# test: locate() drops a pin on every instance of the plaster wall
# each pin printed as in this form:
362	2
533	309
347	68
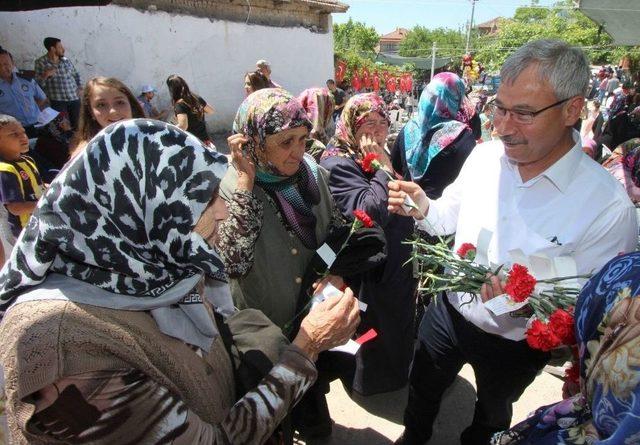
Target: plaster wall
142	47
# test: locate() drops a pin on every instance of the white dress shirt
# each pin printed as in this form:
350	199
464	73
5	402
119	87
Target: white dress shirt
575	208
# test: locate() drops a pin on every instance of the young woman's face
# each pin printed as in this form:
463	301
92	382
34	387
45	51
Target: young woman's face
109	105
247	85
285	150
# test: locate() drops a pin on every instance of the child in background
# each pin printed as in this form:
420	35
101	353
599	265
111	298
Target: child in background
20	183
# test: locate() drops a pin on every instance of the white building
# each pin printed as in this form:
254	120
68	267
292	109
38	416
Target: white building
210	43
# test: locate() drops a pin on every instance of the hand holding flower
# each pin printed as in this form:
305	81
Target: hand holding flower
399	191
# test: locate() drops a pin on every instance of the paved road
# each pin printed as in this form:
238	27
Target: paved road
377	420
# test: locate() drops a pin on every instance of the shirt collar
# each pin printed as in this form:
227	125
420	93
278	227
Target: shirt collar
561	172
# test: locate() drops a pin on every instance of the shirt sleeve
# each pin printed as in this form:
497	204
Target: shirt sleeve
442	215
237	235
126	406
39	94
614	231
9	188
38	67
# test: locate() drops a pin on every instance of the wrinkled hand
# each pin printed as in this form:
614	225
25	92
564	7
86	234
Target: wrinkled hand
245	166
489	291
329	324
368	145
398	190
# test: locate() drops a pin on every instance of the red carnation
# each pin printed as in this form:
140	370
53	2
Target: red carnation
572	373
364	219
467	251
562	323
540	336
371	163
520	283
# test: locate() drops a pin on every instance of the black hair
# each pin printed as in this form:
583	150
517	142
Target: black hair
50	42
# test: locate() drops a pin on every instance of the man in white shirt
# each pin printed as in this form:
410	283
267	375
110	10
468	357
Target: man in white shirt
531	193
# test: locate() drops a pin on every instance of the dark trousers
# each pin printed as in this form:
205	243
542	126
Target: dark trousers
71	107
503	369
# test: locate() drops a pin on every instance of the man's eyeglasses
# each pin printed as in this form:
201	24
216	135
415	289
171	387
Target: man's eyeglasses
521	116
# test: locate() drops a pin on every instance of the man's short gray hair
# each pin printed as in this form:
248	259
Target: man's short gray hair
564	67
5	119
262	63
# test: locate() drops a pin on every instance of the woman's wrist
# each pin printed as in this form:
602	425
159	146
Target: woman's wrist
306	345
245	182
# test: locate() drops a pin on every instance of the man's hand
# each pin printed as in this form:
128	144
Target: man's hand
51	71
492	290
399	190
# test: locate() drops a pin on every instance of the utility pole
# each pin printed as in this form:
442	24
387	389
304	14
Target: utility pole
433	59
473	7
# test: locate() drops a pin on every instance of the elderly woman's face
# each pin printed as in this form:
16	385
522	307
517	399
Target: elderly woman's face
284	151
374	126
209	222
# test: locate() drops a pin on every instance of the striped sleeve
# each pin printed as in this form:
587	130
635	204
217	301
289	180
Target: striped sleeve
125	406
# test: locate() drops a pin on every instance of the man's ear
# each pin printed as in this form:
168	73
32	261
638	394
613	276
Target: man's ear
573	110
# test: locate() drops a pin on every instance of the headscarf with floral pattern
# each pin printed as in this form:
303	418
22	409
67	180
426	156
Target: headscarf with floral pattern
353	116
267	112
444	112
319	104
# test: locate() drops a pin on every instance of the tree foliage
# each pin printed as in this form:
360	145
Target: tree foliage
355	36
559	22
419	40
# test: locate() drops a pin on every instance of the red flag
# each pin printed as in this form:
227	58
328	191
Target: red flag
385	76
409	83
376	82
341	70
366	77
391	84
355	80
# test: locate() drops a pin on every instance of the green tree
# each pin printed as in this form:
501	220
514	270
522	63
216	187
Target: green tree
559	22
419	40
355	36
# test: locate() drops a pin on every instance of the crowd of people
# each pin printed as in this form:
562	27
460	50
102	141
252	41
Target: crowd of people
156	290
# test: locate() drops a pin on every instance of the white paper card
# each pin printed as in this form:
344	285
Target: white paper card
327	254
503	304
409	204
329	291
46	116
350	347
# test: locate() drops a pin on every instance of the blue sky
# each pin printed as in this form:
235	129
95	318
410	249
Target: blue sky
387	15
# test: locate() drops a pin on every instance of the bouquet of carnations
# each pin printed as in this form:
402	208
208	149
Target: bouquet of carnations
548	302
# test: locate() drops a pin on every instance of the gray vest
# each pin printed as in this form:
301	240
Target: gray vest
280	260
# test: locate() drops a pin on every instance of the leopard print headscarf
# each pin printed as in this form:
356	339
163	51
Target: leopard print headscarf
121	215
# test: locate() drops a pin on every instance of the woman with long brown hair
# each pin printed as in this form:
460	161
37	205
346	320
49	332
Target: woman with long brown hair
105	100
189	108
